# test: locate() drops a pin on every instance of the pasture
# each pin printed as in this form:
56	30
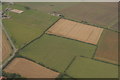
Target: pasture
56	52
6	47
88	68
29	69
108	47
77	31
28	25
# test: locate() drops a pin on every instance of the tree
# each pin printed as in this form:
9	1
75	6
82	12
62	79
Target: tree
12	76
27	8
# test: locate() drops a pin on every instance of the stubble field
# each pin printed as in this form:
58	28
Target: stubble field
77	31
29	69
6	47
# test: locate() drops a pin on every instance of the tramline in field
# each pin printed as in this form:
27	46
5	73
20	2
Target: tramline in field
77	31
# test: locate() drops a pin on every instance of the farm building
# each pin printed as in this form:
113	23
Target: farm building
16	11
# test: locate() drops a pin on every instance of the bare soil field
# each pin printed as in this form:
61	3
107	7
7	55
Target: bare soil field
6	47
77	31
108	47
100	13
29	69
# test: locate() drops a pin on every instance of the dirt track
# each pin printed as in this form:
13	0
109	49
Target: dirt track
29	69
6	48
74	30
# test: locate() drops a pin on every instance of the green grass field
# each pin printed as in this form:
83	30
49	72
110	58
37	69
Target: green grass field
56	52
28	25
65	77
88	68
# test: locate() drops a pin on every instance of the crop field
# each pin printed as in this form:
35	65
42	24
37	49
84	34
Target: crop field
29	69
77	31
108	47
88	68
28	25
6	47
56	52
61	40
93	12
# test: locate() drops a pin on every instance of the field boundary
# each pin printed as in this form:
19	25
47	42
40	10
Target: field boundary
93	60
87	23
37	37
17	50
72	60
14	50
70	64
36	62
94	53
106	62
70	39
41	64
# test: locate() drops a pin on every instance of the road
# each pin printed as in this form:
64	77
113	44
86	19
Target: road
13	46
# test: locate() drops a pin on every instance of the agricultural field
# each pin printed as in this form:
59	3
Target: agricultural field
6	47
88	68
64	77
77	31
28	25
61	40
93	12
56	52
48	7
108	47
29	69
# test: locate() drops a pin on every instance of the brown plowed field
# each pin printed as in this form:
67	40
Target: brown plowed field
94	13
6	48
77	31
29	69
108	47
